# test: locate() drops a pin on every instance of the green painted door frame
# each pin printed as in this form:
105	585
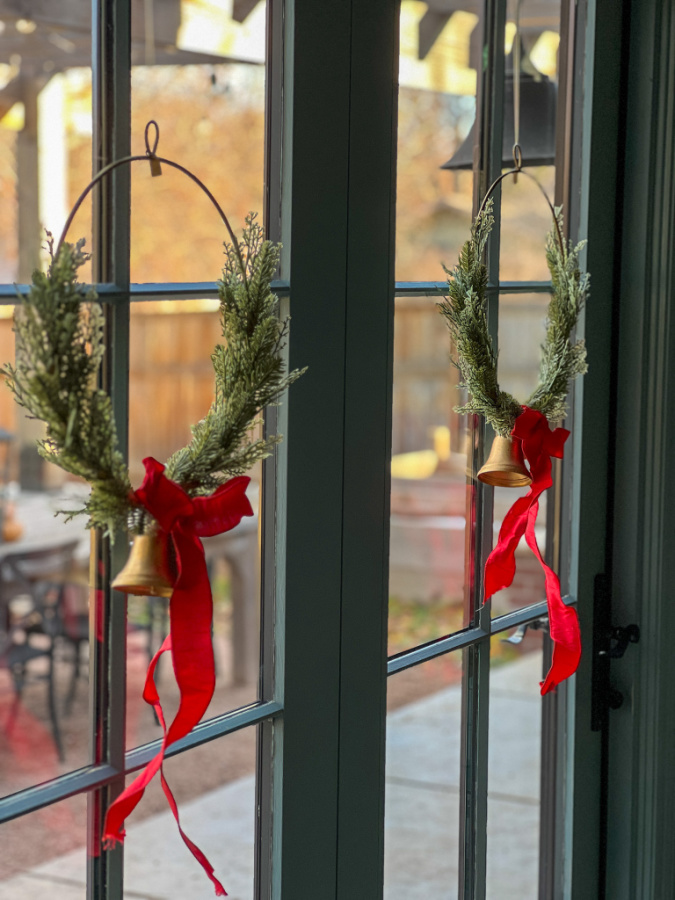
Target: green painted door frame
622	794
337	224
594	214
641	787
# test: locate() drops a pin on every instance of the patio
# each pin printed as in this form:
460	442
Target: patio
423	763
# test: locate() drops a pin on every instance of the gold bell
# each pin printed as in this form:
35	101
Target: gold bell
505	466
147	571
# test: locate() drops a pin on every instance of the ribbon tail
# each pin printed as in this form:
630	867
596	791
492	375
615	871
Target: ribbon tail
128	800
563	620
500	567
191	619
192	847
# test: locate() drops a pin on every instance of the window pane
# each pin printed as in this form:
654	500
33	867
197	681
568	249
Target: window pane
199	72
44	852
422	781
171	388
45	128
428	487
440	52
214	786
514	769
525	215
526	220
522	328
44	604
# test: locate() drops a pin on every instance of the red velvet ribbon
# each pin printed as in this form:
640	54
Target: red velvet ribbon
186	519
539	445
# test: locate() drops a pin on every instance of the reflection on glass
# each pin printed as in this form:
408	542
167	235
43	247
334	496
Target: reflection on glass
45	128
171	387
437	78
44	853
522	328
214	786
44	605
422	781
428	486
199	72
513	768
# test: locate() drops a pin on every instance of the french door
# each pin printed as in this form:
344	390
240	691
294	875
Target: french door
372	527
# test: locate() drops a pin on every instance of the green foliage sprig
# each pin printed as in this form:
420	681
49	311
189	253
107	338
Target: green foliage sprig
59	348
249	369
465	313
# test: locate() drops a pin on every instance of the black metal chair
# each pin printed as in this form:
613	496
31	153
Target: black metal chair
35	617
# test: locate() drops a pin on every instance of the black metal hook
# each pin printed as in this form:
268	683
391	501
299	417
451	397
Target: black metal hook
155	168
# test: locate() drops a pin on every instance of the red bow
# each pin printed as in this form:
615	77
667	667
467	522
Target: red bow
185	519
539	445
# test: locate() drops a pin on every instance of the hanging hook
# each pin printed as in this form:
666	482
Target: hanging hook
155	165
518	169
155	160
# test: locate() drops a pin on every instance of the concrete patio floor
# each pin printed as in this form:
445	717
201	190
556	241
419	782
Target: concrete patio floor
422	802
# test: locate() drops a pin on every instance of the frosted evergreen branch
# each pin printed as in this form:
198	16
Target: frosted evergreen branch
249	369
59	348
562	359
465	312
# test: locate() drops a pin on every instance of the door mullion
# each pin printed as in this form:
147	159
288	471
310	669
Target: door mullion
473	807
111	79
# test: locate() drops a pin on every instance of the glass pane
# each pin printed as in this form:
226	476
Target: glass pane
525	215
526	220
422	781
44	604
522	328
214	786
514	768
45	128
199	72
171	388
440	53
44	852
428	486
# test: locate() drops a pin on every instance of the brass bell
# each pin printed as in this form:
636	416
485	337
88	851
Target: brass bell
147	571
505	466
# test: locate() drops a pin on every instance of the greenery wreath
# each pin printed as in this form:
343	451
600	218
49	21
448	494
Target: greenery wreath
464	310
59	349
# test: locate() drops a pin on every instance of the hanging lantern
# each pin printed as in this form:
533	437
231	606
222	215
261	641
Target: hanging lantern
147	572
538	98
505	466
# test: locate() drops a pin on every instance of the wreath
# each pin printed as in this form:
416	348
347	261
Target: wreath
465	313
200	491
523	432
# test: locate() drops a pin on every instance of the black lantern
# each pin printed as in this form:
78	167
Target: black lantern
538	96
